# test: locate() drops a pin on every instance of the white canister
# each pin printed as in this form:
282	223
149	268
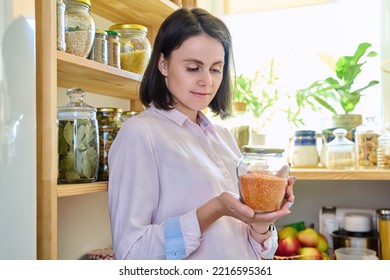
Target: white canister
305	153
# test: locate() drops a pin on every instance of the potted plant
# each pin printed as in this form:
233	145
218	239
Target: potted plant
337	93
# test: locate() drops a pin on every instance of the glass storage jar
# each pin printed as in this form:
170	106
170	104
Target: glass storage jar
305	153
99	48
109	122
61	25
384	233
366	144
128	114
262	177
79	27
135	47
340	153
384	148
78	140
113	48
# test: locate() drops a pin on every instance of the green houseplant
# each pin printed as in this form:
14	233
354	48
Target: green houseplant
337	93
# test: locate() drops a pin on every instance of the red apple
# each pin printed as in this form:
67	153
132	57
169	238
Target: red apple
288	246
310	253
308	237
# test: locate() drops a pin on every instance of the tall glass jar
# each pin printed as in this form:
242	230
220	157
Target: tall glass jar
384	233
113	48
128	114
61	25
340	153
99	48
78	140
136	56
366	144
384	148
262	176
109	121
79	27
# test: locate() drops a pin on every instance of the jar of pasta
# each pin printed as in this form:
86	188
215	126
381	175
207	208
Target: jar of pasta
262	175
366	144
135	47
79	27
78	142
109	121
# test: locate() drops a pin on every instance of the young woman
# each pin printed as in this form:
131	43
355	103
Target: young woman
173	186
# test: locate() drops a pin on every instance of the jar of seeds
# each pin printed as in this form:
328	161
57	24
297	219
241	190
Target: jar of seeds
113	48
79	27
109	121
78	140
99	48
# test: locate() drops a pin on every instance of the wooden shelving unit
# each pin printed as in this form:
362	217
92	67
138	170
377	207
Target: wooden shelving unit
59	69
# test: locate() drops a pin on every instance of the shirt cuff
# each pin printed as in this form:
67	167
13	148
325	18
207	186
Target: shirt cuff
173	237
268	248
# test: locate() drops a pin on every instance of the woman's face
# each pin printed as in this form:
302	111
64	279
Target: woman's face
194	73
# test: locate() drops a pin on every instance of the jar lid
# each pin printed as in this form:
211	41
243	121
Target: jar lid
130	113
112	32
129	26
88	2
76	108
108	110
340	143
384	212
261	149
100	31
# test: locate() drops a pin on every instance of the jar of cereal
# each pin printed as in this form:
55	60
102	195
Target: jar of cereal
366	144
135	47
262	177
79	27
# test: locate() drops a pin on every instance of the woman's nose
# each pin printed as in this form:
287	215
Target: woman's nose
206	79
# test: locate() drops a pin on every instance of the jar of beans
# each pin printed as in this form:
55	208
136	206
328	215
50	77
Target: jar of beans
79	27
262	175
109	122
135	47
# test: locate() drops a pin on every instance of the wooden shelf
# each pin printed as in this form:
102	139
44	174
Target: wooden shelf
79	189
75	71
326	174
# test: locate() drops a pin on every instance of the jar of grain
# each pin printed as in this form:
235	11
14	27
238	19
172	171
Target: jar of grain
135	57
366	144
109	121
262	175
384	148
78	140
340	153
79	27
99	48
113	48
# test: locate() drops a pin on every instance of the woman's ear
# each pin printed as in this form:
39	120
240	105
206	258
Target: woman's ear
163	65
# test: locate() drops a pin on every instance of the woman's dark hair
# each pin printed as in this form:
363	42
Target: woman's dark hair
178	27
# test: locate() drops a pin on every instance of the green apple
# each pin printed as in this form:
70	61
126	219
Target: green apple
322	242
309	253
287	231
288	246
308	237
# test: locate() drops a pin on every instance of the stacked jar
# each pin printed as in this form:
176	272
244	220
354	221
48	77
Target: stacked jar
79	27
109	121
366	143
78	142
135	47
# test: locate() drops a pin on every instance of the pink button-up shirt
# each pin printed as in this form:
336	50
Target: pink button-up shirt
162	168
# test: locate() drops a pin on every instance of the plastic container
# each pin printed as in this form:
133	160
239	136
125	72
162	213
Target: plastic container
366	144
305	153
109	121
113	48
99	49
135	47
61	45
340	153
262	176
78	140
384	148
79	27
384	233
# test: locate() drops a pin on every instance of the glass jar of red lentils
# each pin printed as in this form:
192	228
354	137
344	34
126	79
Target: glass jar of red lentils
262	177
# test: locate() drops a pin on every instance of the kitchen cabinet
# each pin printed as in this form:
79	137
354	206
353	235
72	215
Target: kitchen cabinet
59	69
